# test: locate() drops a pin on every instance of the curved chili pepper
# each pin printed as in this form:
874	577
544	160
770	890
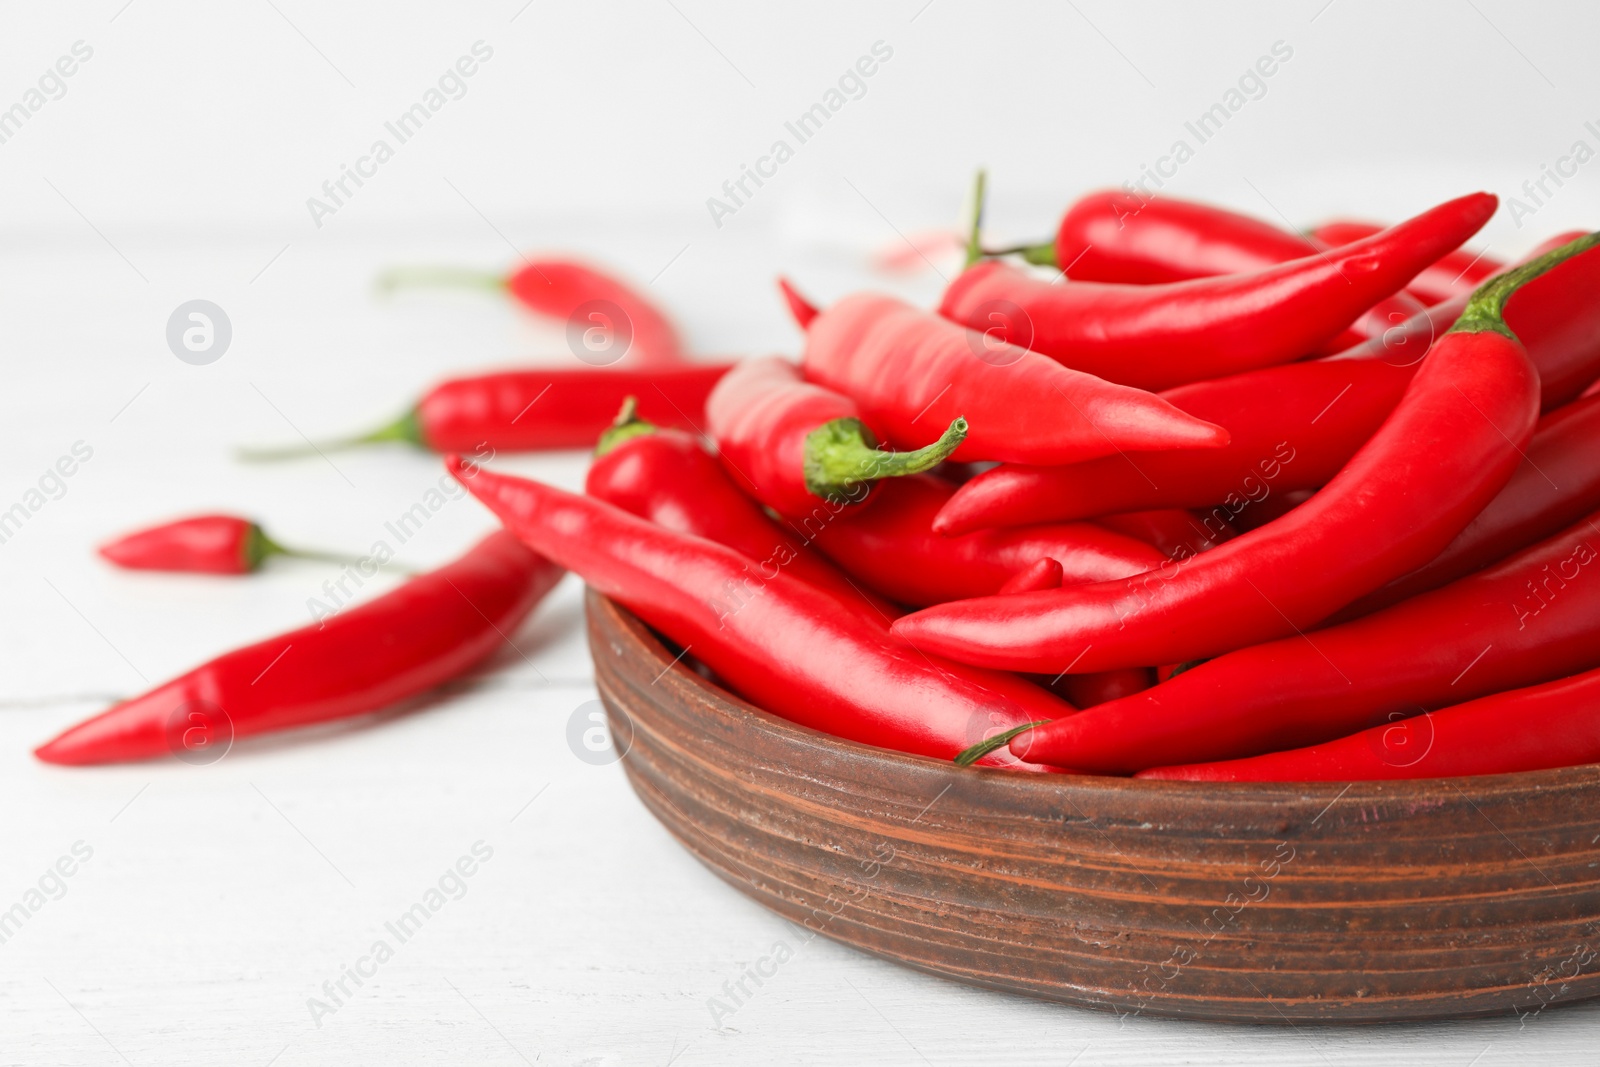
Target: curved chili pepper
1557	482
911	372
1116	236
1556	724
428	631
586	298
891	548
1451	444
1176	533
778	641
796	446
1291	427
204	544
534	410
1043	573
1453	275
668	477
1158	336
1531	618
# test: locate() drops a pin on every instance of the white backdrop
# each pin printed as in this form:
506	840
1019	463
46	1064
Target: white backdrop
175	162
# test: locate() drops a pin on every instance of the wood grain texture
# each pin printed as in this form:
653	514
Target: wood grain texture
1269	902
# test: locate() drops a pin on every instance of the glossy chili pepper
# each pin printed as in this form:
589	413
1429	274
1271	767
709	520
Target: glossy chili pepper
1531	618
1043	573
891	548
1451	444
1291	427
605	316
1557	483
204	544
1176	533
1452	275
776	640
668	477
1121	237
1556	724
803	449
368	657
1158	336
535	410
910	372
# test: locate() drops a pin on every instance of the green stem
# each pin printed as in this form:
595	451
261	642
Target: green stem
260	546
1040	255
455	277
975	237
968	756
406	428
843	454
1485	310
626	426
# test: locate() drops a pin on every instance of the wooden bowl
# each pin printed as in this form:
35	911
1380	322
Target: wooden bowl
1267	903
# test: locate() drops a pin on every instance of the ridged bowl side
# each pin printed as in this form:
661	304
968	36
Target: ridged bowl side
1271	903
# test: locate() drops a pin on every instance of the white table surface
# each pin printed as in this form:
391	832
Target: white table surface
219	899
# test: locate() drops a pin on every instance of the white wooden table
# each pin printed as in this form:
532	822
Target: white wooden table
209	905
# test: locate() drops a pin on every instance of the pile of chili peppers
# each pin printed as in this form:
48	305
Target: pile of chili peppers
1177	494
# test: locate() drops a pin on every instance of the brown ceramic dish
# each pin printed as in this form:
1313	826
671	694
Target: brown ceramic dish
1255	903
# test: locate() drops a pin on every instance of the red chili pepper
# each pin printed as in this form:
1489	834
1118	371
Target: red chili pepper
1531	618
407	641
535	410
1158	336
911	372
1556	724
666	476
796	446
1451	444
778	641
1176	533
205	544
1043	573
605	316
891	547
1454	274
1291	427
1117	236
1557	483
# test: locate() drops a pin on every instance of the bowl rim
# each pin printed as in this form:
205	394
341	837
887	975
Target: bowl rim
726	702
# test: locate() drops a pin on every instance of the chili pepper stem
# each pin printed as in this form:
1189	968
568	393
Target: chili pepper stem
406	428
453	277
627	426
843	453
260	546
1486	307
968	756
1040	255
975	236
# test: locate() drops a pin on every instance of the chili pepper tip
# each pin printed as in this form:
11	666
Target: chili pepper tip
801	309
